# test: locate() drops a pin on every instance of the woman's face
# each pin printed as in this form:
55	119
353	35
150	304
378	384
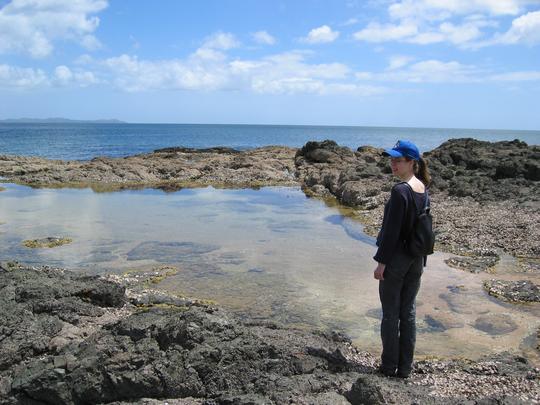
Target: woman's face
401	167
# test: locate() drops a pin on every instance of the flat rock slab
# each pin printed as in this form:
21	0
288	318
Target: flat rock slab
49	242
473	264
495	324
513	291
169	168
441	321
169	252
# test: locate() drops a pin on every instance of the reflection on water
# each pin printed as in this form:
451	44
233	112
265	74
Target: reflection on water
268	254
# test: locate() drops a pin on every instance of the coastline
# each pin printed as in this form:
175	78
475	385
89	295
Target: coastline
475	185
480	230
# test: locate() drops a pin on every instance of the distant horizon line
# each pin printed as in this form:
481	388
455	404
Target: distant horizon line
59	120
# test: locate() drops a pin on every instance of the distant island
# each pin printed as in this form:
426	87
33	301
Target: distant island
60	121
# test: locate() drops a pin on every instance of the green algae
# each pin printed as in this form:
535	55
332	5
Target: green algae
46	242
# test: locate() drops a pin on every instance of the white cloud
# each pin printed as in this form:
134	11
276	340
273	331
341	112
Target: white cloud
13	76
459	34
434	71
464	23
290	73
525	29
32	27
398	61
448	32
429	71
90	42
364	75
286	73
321	35
208	54
376	32
222	40
64	76
263	37
130	74
442	9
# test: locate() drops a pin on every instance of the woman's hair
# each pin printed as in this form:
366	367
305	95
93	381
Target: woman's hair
421	171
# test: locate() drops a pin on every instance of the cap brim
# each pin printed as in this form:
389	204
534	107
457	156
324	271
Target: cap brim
392	153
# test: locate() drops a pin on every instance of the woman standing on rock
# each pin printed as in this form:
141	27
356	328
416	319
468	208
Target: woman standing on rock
398	272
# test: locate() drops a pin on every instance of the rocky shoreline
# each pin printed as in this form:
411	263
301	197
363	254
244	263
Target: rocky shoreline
71	338
485	196
471	202
68	338
168	169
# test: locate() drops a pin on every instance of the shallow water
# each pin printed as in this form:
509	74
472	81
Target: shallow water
270	254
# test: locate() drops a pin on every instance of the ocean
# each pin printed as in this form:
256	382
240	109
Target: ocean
83	141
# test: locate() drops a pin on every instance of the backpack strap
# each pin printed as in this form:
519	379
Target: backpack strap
426	198
425	209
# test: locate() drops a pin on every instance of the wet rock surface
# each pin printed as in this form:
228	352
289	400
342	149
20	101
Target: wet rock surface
495	324
167	252
48	242
169	169
474	264
513	291
441	321
111	351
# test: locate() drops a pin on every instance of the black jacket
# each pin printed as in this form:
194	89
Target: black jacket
398	221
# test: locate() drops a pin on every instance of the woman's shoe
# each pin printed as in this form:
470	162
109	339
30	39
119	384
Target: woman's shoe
403	374
387	372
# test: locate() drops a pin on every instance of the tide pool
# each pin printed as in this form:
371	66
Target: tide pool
270	254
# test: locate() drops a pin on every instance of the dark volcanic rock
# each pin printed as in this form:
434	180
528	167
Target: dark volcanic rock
487	171
186	354
161	352
37	304
475	186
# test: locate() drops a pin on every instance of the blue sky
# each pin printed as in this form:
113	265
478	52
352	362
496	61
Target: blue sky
419	63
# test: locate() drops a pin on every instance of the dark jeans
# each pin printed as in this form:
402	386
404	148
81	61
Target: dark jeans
398	327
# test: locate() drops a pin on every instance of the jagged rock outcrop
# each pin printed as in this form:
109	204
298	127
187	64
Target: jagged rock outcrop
485	195
68	338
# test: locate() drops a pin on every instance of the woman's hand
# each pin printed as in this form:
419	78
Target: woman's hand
378	274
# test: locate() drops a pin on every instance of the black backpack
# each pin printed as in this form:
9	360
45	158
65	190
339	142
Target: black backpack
421	239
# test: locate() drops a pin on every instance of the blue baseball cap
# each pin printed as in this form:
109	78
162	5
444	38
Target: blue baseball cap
403	149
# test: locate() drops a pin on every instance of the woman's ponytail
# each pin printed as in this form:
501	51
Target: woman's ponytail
422	172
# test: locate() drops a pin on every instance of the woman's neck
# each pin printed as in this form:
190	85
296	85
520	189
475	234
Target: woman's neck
407	177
